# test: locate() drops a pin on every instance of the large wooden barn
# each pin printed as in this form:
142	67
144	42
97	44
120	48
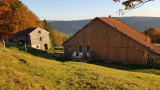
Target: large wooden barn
110	39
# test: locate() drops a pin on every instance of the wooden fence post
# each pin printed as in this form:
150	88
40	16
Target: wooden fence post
4	44
25	47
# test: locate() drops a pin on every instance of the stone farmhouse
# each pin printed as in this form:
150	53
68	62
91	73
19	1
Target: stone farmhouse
34	37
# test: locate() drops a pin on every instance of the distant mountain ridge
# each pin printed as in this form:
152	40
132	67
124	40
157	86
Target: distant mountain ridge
139	23
69	27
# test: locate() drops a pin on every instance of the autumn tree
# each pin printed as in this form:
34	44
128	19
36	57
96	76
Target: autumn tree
15	16
131	4
5	19
154	34
55	39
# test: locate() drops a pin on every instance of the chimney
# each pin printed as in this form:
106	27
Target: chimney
109	16
146	33
146	27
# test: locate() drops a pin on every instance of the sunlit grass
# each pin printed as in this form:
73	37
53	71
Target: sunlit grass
157	44
25	70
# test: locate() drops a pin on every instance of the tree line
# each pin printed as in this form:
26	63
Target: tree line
15	16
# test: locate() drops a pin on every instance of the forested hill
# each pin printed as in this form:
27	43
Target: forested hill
69	27
138	23
15	16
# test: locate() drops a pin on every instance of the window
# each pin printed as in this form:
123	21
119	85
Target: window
88	49
39	32
37	46
40	38
69	48
80	48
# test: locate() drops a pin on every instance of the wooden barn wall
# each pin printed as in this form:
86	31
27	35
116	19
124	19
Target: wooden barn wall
106	44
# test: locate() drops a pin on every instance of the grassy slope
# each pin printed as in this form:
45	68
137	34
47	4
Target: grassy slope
157	44
21	70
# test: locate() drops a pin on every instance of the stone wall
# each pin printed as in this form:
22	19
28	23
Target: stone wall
39	39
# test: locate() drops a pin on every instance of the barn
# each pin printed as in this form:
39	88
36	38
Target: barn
34	37
111	40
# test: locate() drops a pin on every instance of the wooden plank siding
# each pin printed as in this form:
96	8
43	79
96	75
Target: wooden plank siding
107	44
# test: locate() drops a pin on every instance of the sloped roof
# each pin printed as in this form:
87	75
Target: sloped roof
29	30
17	35
21	33
126	30
129	31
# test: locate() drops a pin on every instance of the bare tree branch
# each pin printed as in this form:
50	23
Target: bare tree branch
131	5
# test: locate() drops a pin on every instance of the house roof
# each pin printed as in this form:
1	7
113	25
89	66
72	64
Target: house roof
23	33
17	35
29	30
128	31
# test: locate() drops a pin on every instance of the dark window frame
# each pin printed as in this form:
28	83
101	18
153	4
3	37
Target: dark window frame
39	32
88	49
40	38
69	48
80	48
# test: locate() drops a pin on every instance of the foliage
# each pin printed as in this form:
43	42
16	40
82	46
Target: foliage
5	19
21	70
63	36
154	34
15	16
131	4
54	37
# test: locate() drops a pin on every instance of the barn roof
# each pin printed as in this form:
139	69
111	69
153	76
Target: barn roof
128	31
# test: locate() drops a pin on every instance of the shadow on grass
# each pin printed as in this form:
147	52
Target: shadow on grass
63	59
119	66
35	52
130	67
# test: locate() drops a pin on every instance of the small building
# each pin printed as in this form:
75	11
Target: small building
34	37
111	40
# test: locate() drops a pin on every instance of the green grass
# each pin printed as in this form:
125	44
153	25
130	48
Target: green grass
36	70
157	44
54	51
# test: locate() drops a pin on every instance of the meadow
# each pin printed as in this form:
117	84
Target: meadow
36	70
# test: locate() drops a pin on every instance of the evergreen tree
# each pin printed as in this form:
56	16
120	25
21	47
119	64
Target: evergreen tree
55	39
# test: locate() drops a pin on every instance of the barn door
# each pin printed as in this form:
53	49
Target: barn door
88	51
80	51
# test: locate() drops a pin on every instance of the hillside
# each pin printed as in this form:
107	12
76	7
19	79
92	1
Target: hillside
69	27
16	16
36	70
64	36
138	23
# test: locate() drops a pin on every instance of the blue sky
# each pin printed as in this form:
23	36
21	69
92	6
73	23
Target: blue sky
86	9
